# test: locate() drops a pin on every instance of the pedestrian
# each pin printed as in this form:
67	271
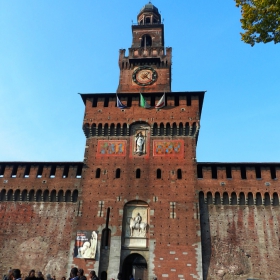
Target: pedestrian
31	275
74	273
16	274
81	274
49	277
40	276
93	275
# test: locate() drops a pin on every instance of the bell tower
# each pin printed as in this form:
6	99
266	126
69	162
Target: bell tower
147	68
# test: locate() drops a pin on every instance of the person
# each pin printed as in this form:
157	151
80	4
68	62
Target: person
93	275
40	276
131	277
9	275
31	275
16	274
139	142
81	274
74	273
63	278
49	277
137	220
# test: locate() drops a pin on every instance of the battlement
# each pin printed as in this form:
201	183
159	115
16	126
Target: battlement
238	171
41	170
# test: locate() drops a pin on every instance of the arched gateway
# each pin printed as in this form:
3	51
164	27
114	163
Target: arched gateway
136	265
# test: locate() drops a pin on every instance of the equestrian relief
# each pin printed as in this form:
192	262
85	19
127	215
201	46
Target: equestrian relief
137	227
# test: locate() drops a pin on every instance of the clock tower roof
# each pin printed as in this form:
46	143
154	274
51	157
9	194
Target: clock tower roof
150	9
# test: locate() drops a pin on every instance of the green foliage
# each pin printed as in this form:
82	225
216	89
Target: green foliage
260	20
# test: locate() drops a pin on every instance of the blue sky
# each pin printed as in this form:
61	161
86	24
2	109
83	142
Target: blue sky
52	50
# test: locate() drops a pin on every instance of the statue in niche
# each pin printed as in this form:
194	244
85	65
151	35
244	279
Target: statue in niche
137	224
140	142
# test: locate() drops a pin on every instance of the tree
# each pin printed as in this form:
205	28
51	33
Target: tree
260	20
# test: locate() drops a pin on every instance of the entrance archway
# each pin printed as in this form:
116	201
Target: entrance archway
136	265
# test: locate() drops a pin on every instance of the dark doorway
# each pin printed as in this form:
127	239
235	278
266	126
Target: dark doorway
136	265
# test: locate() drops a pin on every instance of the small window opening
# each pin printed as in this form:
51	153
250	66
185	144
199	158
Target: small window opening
258	172
258	199
10	195
14	171
46	197
146	41
158	173
75	196
53	196
138	173
39	196
209	198
31	195
93	129
187	129
17	195
199	172
266	199
52	173
112	130
106	102
94	102
118	132
2	169
155	129
106	129
243	172
228	172
179	174
153	100
161	131
174	129
79	171
40	171
24	195
189	100
97	173
233	199
176	100
168	129
65	171
118	173
217	198
275	199
68	196
125	129
60	196
180	129
99	132
242	200
272	172
214	172
26	171
250	199
225	198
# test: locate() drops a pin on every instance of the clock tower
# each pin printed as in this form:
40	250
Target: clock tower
147	68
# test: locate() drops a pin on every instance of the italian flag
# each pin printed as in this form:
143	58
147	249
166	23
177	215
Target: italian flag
143	102
161	102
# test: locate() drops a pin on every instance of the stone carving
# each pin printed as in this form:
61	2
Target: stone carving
137	224
140	140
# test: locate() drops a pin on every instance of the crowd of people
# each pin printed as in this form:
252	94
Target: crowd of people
76	274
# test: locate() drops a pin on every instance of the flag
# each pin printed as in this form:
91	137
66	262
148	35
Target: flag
161	102
120	105
143	102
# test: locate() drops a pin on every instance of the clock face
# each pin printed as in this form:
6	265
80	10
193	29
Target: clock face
144	75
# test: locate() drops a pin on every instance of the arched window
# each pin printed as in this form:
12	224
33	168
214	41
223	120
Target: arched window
201	199
168	129
53	196
60	196
118	132
146	41
86	129
193	128
97	173
209	198
31	195
161	129
179	174
93	129
105	129
180	129
138	173
187	129
217	198
68	196
39	196
3	195
17	195
242	199
155	129
258	199
99	130
118	173
158	173
275	199
46	196
124	129
10	195
75	196
174	129
233	199
112	129
250	199
266	199
24	195
225	198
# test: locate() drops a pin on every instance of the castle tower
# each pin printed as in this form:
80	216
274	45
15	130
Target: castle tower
147	68
138	184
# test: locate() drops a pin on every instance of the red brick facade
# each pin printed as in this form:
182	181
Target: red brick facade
199	220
